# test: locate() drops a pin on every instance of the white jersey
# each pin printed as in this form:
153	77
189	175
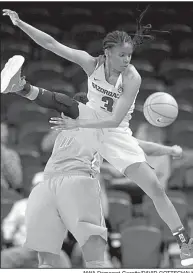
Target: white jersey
103	96
70	155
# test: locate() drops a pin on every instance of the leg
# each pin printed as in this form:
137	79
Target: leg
122	150
144	177
45	229
47	260
52	100
12	82
86	225
50	260
93	251
18	257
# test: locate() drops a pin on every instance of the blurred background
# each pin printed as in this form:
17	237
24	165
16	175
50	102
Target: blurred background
165	64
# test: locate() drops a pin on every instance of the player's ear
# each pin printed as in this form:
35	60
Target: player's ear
106	53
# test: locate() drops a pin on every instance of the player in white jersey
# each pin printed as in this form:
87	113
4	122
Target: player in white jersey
112	111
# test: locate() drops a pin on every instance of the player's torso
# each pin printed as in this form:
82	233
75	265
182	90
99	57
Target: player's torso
72	155
103	96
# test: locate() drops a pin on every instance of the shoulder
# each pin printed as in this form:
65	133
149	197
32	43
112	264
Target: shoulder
95	63
131	73
99	61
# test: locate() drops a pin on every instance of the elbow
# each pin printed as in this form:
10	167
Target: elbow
49	43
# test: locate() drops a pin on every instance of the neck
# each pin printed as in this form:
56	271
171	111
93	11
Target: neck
109	70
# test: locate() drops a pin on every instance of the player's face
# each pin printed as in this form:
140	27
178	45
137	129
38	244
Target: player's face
120	56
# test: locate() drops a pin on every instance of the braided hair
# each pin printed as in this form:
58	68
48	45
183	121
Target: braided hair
118	37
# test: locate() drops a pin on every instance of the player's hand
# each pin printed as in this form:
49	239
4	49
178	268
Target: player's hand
176	152
13	16
63	123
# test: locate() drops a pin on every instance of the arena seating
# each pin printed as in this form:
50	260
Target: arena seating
171	70
155	52
94	47
35	14
7	31
69	16
84	33
150	86
182	89
42	70
9	48
182	133
140	247
186	48
122	15
145	68
22	112
120	212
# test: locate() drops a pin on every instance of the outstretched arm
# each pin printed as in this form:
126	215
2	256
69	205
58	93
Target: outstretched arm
82	58
151	148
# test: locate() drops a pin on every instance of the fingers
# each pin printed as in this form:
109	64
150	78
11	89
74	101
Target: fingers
60	128
7	12
57	128
57	119
62	115
60	122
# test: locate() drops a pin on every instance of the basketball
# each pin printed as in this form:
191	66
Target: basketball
160	109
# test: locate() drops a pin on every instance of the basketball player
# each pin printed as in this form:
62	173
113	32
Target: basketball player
70	187
113	84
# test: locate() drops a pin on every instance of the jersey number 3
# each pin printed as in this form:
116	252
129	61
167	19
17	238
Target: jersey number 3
108	103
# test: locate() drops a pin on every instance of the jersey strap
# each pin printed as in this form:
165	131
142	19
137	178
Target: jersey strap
100	59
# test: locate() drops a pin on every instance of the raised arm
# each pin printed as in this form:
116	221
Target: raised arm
82	58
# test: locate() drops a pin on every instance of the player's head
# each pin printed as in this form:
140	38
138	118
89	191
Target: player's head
118	48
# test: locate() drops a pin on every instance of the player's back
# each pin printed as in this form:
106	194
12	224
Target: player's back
72	154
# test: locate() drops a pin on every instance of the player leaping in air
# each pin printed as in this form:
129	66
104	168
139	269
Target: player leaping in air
113	84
